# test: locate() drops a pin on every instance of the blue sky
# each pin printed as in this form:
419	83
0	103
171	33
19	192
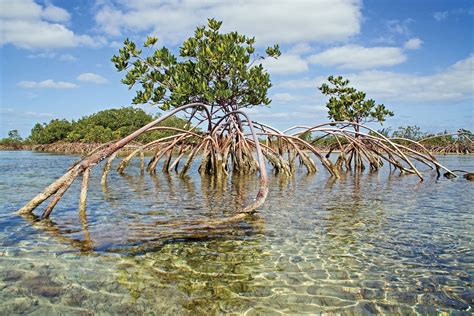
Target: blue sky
415	56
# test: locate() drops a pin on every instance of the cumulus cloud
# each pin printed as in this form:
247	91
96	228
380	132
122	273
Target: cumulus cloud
26	24
453	84
358	57
285	64
47	84
413	43
91	77
280	21
300	49
303	83
55	14
51	55
284	97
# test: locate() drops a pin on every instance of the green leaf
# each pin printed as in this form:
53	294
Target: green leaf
150	41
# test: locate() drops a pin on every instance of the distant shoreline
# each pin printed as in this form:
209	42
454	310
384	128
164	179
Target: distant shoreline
84	148
64	148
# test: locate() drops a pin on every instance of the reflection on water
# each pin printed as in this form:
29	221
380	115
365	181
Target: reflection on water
370	243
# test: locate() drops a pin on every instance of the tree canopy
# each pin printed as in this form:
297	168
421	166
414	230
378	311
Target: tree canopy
54	131
100	127
14	135
348	104
409	132
219	69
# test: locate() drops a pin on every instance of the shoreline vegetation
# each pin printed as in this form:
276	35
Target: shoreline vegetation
77	148
90	132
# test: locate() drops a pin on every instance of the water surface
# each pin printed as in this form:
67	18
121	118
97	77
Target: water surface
373	243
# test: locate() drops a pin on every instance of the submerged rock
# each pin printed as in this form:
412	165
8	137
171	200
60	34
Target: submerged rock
42	286
11	276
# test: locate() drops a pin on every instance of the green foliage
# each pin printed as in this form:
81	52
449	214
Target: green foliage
410	132
348	104
108	125
433	139
54	131
13	139
384	131
306	136
465	135
172	121
14	135
100	127
213	68
327	141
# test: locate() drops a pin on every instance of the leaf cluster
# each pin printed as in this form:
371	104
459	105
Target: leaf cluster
412	132
215	68
348	104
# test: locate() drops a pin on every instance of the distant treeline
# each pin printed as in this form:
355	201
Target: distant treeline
460	141
100	127
113	124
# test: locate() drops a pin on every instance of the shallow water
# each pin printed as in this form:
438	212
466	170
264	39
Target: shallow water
374	243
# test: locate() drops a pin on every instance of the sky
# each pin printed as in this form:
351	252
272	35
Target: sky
414	56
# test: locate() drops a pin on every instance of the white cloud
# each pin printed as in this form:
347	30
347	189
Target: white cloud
116	44
303	83
50	55
91	77
300	49
26	24
285	64
413	43
358	57
400	27
42	55
14	113
38	114
20	9
86	40
453	84
443	15
29	10
36	34
55	14
440	16
280	21
384	39
67	57
284	97
47	84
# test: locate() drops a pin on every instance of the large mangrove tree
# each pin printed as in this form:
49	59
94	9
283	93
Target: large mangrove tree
215	77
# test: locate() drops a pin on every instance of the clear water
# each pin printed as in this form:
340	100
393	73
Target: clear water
374	243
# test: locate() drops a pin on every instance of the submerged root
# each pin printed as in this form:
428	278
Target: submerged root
84	187
374	147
